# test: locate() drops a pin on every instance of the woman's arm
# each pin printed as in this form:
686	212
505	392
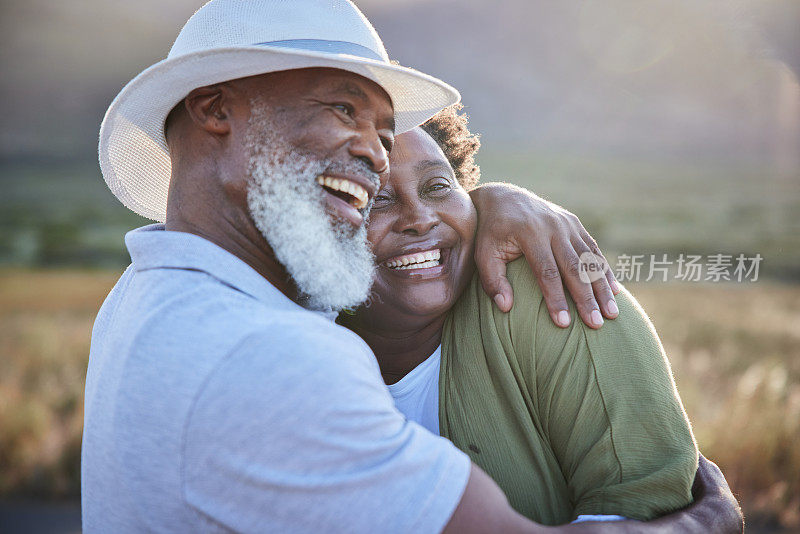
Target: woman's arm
575	421
513	222
618	427
610	409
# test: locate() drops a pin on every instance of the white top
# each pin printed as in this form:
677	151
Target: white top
214	403
416	395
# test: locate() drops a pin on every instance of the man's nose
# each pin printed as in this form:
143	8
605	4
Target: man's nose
367	146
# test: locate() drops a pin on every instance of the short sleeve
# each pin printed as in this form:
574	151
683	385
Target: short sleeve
295	432
609	408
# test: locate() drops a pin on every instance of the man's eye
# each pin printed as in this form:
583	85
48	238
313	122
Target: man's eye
347	109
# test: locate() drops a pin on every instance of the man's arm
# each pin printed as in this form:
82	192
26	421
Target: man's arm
513	222
714	509
484	508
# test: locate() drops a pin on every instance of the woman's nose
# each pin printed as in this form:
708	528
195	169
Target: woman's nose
416	219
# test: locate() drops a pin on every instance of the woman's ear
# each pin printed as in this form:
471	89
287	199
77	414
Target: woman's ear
208	108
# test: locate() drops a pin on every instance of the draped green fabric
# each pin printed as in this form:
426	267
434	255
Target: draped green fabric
567	421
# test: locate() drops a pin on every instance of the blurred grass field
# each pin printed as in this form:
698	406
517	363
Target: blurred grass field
735	348
735	352
60	212
634	205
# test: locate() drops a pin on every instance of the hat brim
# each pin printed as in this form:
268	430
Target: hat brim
132	149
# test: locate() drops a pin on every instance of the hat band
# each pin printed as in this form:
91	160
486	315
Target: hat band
322	45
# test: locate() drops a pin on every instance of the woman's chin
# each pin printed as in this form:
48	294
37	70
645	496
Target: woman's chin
418	298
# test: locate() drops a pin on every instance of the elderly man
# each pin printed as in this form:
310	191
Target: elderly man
220	395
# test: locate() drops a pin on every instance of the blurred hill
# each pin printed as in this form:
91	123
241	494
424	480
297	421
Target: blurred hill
686	79
700	78
666	125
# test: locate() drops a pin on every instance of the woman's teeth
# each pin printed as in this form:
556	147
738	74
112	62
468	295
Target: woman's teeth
423	265
418	260
360	197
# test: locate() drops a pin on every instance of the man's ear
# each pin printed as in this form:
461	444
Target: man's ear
209	108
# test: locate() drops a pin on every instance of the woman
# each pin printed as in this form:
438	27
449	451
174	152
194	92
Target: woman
567	421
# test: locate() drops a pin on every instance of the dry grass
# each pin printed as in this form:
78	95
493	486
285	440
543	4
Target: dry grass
735	350
45	326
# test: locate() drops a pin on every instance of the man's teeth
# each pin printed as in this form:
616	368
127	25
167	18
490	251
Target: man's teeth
418	260
359	194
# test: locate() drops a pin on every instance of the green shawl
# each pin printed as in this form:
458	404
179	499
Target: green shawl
567	421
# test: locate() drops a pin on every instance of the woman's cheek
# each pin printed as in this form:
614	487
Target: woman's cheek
464	218
375	226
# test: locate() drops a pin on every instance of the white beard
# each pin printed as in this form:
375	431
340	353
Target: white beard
330	262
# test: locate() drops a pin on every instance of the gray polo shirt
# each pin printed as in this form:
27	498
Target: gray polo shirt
215	403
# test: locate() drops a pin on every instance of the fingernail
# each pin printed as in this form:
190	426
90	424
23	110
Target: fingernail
597	319
500	301
614	287
563	318
612	307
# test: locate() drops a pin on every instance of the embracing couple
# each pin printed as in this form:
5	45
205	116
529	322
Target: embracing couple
305	344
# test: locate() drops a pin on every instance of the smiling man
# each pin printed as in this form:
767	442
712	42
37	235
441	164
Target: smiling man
220	395
302	152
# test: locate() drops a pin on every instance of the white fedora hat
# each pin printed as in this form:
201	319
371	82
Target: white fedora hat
230	39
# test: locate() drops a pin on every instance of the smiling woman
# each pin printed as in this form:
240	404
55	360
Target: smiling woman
569	422
421	227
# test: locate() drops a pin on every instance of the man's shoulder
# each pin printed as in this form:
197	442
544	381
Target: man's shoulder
175	343
217	310
300	333
158	314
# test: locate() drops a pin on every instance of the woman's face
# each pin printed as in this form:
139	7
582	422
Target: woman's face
421	227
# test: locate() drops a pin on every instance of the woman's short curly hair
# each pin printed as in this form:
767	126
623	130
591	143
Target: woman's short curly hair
449	129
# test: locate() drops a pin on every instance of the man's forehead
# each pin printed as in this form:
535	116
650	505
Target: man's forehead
326	84
348	87
364	90
344	79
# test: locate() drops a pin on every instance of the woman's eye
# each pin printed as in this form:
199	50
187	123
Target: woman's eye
381	199
388	144
439	186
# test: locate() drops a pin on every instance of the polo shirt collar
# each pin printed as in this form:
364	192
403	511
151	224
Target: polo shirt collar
153	247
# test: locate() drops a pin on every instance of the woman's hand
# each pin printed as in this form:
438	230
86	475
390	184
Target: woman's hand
512	221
